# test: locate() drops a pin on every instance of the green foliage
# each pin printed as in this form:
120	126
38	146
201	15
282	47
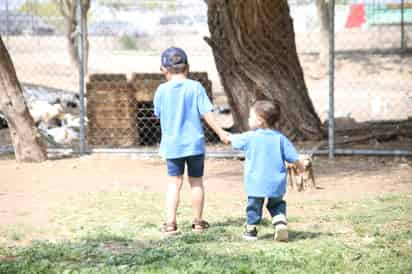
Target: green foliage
44	9
49	11
142	4
128	42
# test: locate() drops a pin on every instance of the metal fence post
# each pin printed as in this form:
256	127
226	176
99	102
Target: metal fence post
403	42
331	119
7	23
80	27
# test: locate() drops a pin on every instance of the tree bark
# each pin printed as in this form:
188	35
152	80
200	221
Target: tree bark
68	9
380	131
28	146
322	7
255	53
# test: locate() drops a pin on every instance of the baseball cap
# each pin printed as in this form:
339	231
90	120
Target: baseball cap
174	57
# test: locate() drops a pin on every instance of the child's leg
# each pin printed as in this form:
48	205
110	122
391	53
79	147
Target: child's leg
175	169
195	170
276	206
277	209
254	210
198	197
173	197
253	216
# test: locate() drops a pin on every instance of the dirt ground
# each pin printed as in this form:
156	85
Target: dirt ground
30	193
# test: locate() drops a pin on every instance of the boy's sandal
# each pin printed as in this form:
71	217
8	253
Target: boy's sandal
170	229
199	226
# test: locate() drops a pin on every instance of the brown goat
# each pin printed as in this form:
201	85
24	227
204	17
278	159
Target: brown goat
301	180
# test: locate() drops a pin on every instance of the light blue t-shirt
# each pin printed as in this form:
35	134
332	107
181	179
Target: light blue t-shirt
180	105
266	151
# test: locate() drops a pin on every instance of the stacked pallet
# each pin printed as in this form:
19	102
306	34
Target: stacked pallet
145	84
120	112
111	110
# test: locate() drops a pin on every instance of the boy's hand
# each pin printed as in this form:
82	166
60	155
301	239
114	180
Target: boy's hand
225	137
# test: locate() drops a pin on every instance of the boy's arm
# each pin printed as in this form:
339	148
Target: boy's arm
210	120
291	155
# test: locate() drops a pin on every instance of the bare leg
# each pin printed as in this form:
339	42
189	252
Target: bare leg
198	196
173	197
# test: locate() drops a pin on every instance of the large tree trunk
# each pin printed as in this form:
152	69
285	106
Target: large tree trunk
255	53
322	7
28	146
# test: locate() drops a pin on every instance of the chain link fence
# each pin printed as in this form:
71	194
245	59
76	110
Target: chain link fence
125	39
35	34
371	72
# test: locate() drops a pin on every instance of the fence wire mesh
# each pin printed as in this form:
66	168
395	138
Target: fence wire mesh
35	34
372	71
372	63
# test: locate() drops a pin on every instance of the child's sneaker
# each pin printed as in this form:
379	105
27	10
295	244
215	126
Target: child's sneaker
250	233
170	229
281	228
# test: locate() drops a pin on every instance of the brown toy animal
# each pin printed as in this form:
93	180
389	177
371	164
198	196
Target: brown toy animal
305	179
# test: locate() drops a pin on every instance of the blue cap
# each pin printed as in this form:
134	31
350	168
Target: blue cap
174	57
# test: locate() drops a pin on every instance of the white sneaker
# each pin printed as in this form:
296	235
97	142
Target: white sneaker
281	228
281	233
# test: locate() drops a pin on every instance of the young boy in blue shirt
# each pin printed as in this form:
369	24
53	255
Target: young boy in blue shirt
266	151
181	103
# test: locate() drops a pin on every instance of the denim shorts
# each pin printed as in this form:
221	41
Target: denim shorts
195	166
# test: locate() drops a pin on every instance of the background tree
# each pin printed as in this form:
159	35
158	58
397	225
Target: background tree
28	146
68	9
253	44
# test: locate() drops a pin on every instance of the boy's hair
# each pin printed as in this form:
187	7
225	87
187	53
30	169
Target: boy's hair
268	111
178	69
174	59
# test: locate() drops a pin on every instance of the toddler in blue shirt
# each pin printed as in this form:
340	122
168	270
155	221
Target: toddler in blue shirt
181	103
266	151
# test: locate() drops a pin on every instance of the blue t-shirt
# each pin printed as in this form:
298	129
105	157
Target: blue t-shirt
180	105
266	151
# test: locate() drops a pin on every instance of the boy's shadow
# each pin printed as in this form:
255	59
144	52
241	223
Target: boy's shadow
294	235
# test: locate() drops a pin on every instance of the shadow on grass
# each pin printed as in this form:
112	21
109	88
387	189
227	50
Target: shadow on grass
231	222
224	229
295	236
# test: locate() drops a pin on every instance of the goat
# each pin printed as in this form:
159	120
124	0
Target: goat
301	180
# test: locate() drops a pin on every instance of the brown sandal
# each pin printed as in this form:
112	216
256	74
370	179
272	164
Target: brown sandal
200	226
170	229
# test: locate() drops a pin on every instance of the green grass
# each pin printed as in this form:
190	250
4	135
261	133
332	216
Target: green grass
118	232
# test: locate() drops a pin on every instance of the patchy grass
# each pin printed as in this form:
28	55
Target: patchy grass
118	232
